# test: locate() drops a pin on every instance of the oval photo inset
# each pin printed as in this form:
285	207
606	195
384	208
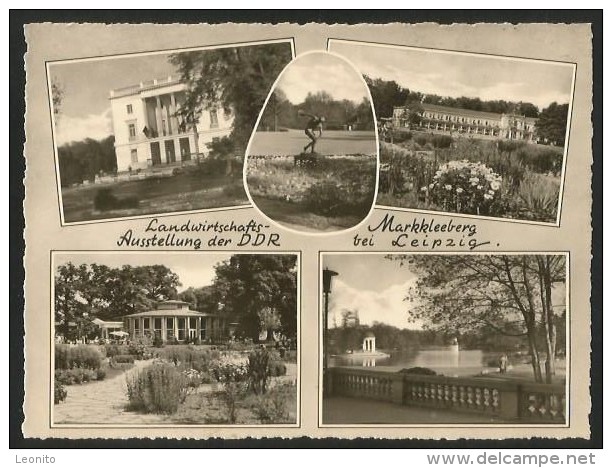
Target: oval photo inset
312	161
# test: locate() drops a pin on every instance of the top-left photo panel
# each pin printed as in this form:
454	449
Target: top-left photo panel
157	132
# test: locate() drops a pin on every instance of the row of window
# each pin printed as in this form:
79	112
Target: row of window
214	123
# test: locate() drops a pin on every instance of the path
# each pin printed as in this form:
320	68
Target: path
102	403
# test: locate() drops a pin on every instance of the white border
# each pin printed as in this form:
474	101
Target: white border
76	253
568	364
48	64
572	91
248	150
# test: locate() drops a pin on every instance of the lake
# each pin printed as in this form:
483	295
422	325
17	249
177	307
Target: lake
442	359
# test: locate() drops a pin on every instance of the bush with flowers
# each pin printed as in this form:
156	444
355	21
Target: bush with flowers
464	187
233	376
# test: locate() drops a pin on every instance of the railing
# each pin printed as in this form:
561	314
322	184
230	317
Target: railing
507	400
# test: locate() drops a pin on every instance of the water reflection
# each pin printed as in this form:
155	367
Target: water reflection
447	360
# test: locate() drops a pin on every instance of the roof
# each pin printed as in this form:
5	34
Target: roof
369	334
145	86
173	301
174	312
462	112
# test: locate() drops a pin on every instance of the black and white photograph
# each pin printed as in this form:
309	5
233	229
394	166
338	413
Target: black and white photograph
444	339
158	132
175	339
312	160
465	133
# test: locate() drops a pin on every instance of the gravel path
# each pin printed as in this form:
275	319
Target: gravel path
102	403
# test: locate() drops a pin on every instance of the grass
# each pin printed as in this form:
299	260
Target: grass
190	190
292	142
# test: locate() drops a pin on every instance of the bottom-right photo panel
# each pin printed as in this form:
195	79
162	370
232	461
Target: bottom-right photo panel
457	338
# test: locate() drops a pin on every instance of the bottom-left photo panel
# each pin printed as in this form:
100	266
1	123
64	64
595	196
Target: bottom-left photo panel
175	338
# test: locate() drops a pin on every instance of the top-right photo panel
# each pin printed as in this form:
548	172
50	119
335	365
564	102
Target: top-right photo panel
468	134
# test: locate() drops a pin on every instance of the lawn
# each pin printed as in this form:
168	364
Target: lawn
292	142
189	190
334	193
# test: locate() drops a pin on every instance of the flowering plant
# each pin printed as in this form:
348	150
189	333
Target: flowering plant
464	187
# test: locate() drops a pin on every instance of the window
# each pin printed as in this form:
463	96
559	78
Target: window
132	131
169	328
181	329
214	119
129	108
134	155
157	323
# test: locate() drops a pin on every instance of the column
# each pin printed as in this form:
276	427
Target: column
172	115
199	327
175	331
158	116
163	328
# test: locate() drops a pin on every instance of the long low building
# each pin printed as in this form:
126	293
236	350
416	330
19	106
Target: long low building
175	321
476	123
149	132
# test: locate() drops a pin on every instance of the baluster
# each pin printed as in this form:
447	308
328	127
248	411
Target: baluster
462	395
495	399
478	398
454	395
487	397
470	393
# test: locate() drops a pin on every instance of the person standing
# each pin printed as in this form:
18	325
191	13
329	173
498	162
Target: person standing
503	363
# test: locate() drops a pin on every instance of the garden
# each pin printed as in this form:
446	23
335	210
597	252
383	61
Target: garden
235	383
504	179
322	193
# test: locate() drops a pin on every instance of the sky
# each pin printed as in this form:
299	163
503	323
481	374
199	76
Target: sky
371	284
455	74
377	287
85	109
321	72
193	269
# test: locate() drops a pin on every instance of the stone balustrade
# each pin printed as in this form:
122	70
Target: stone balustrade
529	402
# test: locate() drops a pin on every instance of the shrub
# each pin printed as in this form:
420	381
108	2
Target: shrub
113	350
188	357
100	374
158	389
258	370
464	187
124	359
82	356
277	368
232	377
74	376
418	371
59	393
539	198
105	200
271	408
157	341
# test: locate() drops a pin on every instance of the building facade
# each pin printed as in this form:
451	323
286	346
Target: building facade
464	121
148	131
175	321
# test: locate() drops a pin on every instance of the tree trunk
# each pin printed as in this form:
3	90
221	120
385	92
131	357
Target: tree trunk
533	351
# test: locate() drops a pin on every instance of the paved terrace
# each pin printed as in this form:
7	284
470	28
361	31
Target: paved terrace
343	410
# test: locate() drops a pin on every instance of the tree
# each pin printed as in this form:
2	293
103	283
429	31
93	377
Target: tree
499	294
237	79
246	285
552	124
386	95
414	110
57	97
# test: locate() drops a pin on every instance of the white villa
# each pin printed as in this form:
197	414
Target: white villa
175	320
475	123
149	133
